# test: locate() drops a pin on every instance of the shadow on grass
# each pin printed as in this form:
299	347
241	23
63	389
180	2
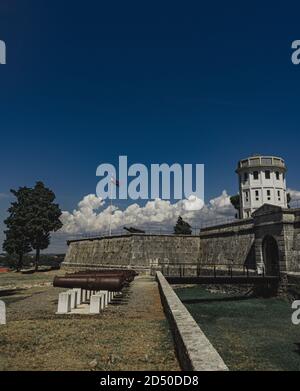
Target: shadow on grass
298	348
216	299
11	292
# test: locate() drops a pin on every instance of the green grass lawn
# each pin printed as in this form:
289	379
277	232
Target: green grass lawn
20	280
249	333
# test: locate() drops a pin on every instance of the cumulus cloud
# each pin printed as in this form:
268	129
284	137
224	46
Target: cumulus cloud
295	197
193	203
93	214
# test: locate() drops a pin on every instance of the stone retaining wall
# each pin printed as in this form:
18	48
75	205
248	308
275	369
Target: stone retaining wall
195	352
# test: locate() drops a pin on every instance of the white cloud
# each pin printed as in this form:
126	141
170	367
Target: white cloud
92	214
295	196
193	203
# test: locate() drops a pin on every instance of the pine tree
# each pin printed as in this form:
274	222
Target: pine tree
43	218
17	241
32	217
182	227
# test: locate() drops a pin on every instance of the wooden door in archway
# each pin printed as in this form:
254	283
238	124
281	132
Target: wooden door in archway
271	256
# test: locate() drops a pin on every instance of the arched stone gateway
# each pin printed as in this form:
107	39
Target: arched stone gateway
270	256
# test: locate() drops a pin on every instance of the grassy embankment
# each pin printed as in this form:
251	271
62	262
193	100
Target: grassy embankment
249	333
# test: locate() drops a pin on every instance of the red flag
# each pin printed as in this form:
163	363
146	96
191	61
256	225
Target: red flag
115	181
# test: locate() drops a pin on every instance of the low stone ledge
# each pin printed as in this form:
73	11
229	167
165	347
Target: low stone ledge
195	352
81	266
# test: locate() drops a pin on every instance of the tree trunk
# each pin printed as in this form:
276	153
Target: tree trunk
20	262
37	259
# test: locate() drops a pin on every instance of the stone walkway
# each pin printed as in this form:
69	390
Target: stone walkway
131	334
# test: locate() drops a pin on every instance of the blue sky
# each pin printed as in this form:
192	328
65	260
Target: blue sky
186	82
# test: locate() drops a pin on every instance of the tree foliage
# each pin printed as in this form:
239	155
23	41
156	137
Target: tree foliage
17	241
235	201
182	227
31	219
43	218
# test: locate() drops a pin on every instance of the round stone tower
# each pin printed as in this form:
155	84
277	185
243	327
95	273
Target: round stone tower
261	181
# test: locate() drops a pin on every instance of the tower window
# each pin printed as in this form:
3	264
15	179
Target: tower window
269	195
245	177
257	195
247	196
279	195
268	174
255	175
277	175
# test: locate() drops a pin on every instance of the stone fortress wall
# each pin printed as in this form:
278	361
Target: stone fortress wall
139	251
244	242
229	244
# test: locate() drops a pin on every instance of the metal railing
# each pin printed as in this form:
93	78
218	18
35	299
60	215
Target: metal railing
155	230
209	269
295	204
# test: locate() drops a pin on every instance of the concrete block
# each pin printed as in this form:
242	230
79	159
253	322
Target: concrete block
2	312
79	297
105	293
73	295
97	303
83	295
102	304
64	303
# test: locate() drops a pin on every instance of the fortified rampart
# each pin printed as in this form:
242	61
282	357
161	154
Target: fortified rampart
140	251
269	241
228	244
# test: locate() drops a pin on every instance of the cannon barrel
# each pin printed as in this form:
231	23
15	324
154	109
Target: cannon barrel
128	278
96	283
107	271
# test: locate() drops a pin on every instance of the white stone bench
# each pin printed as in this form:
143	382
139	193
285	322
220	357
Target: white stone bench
97	303
73	298
2	312
79	296
64	303
73	294
105	297
86	295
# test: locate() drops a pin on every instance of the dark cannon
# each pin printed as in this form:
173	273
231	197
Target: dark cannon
127	275
133	230
126	279
107	271
92	283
